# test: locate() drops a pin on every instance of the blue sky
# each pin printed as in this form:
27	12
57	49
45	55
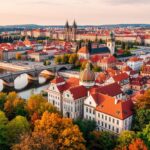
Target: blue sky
56	12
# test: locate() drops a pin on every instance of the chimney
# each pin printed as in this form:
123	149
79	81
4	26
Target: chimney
116	101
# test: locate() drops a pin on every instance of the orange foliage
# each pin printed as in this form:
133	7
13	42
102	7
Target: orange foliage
137	144
53	132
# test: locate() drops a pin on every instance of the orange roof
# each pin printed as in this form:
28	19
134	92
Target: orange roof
58	79
71	82
110	59
83	50
134	59
120	77
107	89
78	92
106	104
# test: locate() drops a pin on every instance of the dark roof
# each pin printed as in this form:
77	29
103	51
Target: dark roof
99	50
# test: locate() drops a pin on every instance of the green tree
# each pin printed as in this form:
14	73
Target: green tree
3	97
140	119
3	131
102	140
57	60
96	68
64	59
145	135
86	127
16	127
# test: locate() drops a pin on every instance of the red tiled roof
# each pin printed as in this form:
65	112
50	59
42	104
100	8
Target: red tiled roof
58	80
110	59
106	104
78	92
83	50
110	89
120	77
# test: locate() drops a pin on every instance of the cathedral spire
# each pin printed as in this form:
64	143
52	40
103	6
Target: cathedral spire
74	24
67	24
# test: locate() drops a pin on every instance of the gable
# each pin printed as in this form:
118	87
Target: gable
90	101
53	87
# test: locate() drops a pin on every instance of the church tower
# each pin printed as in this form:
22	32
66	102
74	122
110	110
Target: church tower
67	28
111	43
74	31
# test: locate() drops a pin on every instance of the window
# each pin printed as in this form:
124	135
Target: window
109	127
102	116
93	111
86	109
90	110
117	122
113	128
99	115
90	103
67	95
110	119
113	120
105	117
105	125
102	123
117	130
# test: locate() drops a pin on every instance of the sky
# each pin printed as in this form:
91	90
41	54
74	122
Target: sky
85	12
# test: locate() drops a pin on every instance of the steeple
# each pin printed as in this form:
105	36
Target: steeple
67	25
74	24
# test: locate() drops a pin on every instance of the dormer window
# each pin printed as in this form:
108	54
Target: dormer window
90	103
67	95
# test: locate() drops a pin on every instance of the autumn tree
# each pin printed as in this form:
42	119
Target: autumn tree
14	106
38	104
64	59
96	68
18	56
137	144
3	97
57	60
52	132
143	101
73	58
126	137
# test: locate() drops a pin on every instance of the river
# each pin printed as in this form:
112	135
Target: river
21	82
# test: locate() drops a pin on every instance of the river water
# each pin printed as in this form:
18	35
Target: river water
22	81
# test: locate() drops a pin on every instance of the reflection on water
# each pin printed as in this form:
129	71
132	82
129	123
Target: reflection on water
22	81
26	94
1	85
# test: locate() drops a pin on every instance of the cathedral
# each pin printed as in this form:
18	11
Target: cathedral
70	31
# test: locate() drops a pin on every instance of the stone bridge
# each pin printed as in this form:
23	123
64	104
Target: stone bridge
34	73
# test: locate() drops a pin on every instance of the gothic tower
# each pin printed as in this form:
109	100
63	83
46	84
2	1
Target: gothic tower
111	43
74	31
67	28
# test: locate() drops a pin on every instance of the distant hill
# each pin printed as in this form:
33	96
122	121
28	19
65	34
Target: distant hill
34	26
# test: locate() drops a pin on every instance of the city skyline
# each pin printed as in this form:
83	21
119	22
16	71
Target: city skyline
85	12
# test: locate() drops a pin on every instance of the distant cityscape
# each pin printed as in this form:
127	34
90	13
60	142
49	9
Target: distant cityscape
76	87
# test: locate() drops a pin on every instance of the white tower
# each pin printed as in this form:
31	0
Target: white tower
111	43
